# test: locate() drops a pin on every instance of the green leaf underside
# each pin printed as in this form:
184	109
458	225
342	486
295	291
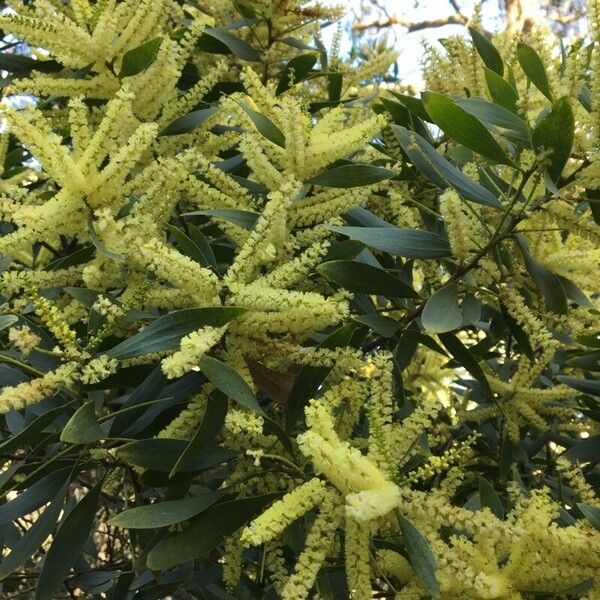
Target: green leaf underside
166	332
439	171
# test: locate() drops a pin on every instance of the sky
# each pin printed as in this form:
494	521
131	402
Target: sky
409	44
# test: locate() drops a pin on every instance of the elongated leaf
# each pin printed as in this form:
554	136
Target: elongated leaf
265	126
410	243
206	531
547	283
442	312
497	118
163	514
76	258
36	495
99	245
67	544
488	52
166	332
310	378
532	65
19	64
161	454
384	326
463	127
439	171
29	434
7	321
243	218
230	382
585	386
489	498
584	451
464	357
420	555
237	46
83	426
211	425
139	59
501	91
349	176
187	246
414	105
592	514
296	69
556	132
362	278
35	536
189	122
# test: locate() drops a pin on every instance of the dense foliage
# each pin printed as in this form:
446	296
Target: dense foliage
274	328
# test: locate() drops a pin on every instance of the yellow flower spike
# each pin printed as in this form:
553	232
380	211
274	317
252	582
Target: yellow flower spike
284	512
319	543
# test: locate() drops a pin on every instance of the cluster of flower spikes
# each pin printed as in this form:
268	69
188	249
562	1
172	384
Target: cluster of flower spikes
355	497
104	186
116	182
561	234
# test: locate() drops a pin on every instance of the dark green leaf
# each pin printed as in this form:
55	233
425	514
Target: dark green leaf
488	52
556	132
161	454
497	118
420	555
547	283
573	292
501	91
243	218
230	382
139	59
19	64
83	426
310	378
265	126
585	386
67	544
166	332
76	258
584	451
35	536
7	321
591	513
237	46
489	498
34	496
334	86
297	69
439	171
532	65
363	278
187	246
163	514
206	531
189	122
384	326
211	425
414	105
355	175
442	312
463	127
410	243
30	433
464	357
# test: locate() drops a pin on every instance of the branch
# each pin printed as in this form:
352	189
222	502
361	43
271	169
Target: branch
411	25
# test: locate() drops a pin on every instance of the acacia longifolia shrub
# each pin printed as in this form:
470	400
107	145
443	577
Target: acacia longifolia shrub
273	326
